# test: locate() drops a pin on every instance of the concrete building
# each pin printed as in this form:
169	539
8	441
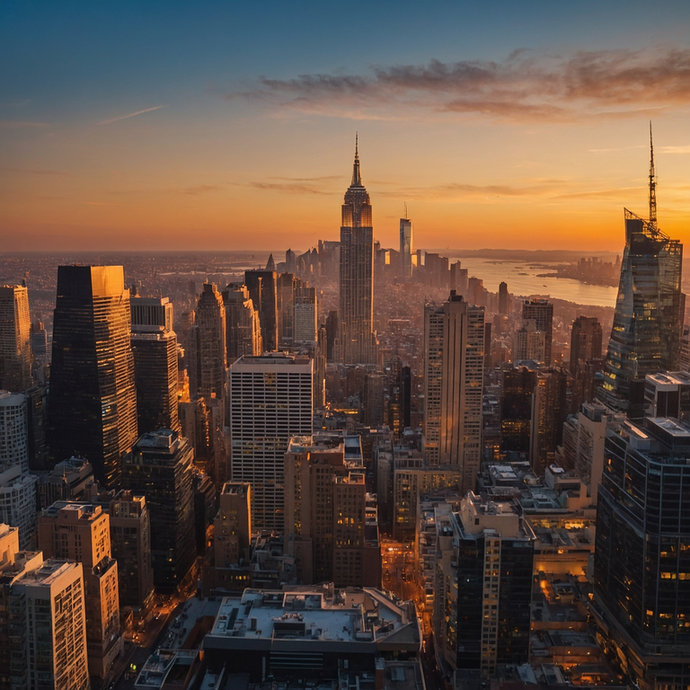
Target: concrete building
67	481
243	334
14	432
130	538
18	504
232	531
541	312
310	632
453	381
306	312
271	400
263	290
484	586
160	468
15	339
549	412
81	532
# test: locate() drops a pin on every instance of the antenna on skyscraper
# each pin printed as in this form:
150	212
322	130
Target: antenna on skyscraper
652	181
406	218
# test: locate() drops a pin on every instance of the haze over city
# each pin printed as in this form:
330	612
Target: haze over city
228	126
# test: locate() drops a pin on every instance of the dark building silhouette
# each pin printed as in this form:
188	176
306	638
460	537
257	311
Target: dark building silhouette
262	286
92	403
516	409
357	338
160	467
331	333
585	359
503	299
154	345
549	411
642	551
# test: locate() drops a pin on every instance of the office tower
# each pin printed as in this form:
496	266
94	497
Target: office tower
483	587
475	291
406	245
516	409
15	338
331	528
160	468
648	320
130	538
331	334
459	279
503	298
48	626
232	527
14	433
585	358
357	337
549	412
17	486
243	334
93	404
81	532
529	343
154	346
271	400
541	312
37	421
39	350
262	286
207	373
305	314
285	290
453	382
641	557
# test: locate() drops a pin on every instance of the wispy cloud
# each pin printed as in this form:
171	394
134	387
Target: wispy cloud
125	117
526	86
674	149
202	188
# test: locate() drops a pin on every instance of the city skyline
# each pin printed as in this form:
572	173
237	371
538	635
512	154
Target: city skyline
204	128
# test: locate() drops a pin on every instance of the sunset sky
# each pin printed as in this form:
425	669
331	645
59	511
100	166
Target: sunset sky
204	125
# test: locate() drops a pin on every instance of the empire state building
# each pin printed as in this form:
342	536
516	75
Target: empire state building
357	337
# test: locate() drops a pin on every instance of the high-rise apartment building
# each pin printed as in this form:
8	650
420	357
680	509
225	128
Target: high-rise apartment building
81	532
263	289
271	400
585	358
154	345
406	247
160	468
356	328
207	373
93	403
48	615
14	432
130	538
15	338
642	552
243	335
541	312
484	588
453	384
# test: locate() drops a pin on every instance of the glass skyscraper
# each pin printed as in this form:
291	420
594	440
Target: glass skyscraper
648	320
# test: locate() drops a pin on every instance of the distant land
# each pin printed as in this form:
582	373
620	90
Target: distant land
530	255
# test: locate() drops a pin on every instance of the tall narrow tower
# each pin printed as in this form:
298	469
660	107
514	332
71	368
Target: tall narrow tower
406	247
648	321
357	337
15	338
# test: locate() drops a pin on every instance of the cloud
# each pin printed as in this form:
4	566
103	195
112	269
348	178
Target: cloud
201	188
138	112
526	86
674	149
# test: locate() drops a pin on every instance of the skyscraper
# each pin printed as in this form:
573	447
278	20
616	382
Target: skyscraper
503	298
160	467
406	245
81	532
541	312
15	338
585	358
154	345
93	403
305	314
207	374
548	414
642	551
453	380
648	321
263	289
357	337
243	336
271	400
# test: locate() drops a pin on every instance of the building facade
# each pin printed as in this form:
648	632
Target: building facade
15	339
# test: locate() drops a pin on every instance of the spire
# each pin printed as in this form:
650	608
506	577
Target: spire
356	176
652	181
271	265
